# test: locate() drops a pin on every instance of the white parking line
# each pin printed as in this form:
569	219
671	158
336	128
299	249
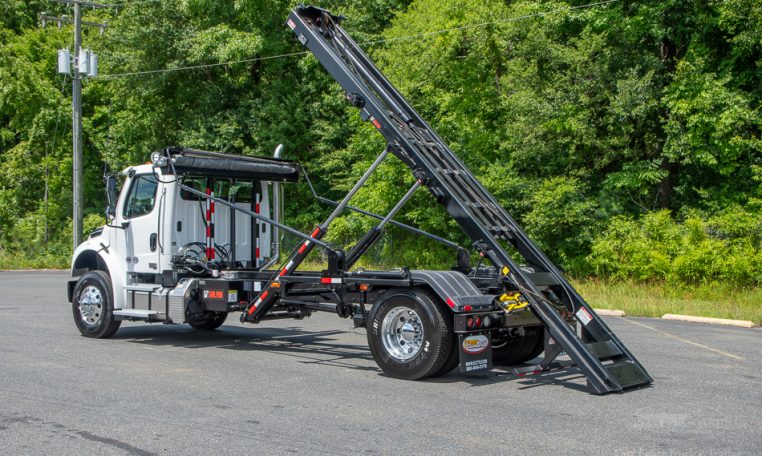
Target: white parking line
687	341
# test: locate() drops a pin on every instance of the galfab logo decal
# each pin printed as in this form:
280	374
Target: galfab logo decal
475	344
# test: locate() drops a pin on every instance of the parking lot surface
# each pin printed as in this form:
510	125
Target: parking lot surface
311	387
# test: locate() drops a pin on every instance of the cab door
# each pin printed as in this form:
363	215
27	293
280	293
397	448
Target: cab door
140	217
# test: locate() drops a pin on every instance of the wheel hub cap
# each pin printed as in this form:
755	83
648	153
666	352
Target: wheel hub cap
402	333
91	305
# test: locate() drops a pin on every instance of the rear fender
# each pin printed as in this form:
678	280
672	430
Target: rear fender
455	289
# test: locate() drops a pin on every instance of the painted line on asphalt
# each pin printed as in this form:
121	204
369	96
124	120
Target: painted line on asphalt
687	341
709	321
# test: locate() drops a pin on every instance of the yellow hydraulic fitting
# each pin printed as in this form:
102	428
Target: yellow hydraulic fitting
513	301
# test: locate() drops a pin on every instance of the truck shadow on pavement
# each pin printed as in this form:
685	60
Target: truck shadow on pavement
329	348
570	378
309	347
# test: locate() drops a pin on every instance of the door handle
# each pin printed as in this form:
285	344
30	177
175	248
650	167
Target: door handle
152	242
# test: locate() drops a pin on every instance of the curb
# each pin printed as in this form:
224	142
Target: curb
610	312
710	321
33	270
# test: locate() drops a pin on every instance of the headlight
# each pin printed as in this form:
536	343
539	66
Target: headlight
158	159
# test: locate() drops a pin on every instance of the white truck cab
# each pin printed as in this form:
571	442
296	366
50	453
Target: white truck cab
155	229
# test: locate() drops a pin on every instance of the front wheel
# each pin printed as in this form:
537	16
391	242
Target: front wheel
93	306
411	334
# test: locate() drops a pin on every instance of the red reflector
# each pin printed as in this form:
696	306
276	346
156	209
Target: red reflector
325	280
450	302
376	123
469	322
468	308
256	208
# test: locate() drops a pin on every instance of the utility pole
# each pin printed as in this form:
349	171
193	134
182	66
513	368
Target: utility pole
80	67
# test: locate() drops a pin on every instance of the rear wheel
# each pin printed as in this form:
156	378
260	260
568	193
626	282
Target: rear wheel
452	360
520	348
93	305
208	321
410	334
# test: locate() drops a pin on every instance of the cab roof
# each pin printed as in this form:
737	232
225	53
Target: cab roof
185	161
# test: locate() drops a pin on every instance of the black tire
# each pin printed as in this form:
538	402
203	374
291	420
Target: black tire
209	321
95	316
452	360
518	350
436	342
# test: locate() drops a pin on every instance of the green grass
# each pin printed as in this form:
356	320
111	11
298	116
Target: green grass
657	299
21	261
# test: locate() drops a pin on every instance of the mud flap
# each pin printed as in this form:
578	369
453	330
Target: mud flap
475	351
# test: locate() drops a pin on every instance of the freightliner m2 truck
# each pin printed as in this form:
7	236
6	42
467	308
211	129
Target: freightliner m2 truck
194	236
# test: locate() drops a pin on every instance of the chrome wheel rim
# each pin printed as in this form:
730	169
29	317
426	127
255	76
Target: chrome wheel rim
91	306
402	333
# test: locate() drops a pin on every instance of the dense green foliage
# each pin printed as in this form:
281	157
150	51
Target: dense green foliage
724	248
625	137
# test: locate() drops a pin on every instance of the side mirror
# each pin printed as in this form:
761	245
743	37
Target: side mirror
111	196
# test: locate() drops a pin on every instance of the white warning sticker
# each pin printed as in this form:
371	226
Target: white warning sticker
584	316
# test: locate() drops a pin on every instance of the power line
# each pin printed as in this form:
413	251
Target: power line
385	40
196	67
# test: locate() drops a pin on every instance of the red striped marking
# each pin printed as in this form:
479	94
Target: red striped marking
315	232
325	280
256	252
302	248
376	123
283	272
450	302
264	294
252	309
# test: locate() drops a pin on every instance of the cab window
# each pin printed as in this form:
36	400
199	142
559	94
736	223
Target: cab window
142	196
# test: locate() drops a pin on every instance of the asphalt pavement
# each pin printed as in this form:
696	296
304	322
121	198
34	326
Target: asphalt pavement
311	387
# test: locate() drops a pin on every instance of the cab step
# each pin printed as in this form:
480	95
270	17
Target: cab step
141	314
